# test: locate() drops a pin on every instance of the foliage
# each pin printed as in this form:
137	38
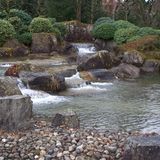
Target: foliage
3	14
16	22
39	24
7	31
121	24
104	31
144	31
25	17
61	27
103	20
124	34
134	38
52	20
25	38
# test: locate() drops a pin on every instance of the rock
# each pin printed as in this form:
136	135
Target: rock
44	43
18	48
125	71
78	31
68	119
133	57
16	112
151	66
101	60
6	52
48	83
9	86
142	148
15	69
101	44
97	75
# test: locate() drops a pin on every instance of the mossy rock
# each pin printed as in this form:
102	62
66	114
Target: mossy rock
6	52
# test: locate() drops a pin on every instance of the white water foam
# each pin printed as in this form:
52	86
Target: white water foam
101	84
5	65
85	48
40	97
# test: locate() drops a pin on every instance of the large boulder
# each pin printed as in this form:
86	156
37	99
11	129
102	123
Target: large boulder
142	148
97	75
9	86
133	57
44	42
15	112
15	69
126	71
67	119
78	32
17	48
101	60
101	44
48	83
151	66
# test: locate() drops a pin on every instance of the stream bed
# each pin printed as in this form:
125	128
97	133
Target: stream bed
128	105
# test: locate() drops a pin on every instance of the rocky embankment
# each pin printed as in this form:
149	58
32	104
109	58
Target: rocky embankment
45	142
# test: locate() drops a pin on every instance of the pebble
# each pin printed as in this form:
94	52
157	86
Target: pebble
46	143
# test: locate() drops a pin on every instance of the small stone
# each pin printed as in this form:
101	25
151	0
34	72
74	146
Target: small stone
1	158
118	155
71	148
58	144
36	156
4	140
65	152
59	155
112	149
106	152
72	157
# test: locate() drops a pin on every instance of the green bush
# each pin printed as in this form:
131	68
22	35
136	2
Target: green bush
3	15
145	31
103	20
7	31
23	29
41	25
25	38
120	24
123	35
16	22
134	38
25	17
52	20
104	31
61	27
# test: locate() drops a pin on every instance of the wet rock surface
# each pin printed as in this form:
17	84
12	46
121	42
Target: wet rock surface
68	119
126	71
9	86
16	112
143	148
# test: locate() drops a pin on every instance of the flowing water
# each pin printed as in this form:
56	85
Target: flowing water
129	105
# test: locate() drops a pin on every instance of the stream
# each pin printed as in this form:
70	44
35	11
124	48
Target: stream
128	105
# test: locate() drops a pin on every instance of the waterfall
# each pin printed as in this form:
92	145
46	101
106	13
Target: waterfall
40	97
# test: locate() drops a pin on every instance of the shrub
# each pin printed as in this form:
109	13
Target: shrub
23	29
122	35
104	31
134	38
16	22
25	38
61	27
120	24
41	25
145	31
3	15
25	17
103	20
52	20
7	31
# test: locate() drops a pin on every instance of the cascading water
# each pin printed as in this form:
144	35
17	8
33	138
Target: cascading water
84	48
39	97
